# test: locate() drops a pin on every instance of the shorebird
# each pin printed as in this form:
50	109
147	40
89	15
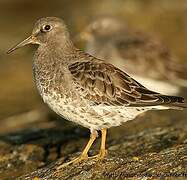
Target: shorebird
140	54
84	89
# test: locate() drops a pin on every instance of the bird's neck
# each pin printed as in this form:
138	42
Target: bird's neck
62	45
51	63
59	50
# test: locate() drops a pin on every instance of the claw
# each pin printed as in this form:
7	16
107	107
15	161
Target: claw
101	154
74	161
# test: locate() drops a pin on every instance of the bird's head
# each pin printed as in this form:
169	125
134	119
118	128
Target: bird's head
45	30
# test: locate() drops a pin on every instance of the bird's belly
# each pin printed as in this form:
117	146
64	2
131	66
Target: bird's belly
92	117
74	110
116	115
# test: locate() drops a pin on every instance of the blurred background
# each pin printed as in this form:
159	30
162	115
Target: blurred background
20	104
164	18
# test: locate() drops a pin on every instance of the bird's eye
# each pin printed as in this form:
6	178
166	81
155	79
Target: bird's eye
46	28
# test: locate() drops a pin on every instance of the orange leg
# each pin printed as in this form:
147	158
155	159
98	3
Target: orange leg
84	154
103	150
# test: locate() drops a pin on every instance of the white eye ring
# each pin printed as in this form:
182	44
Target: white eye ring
46	28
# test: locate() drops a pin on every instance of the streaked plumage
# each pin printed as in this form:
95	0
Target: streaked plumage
141	55
84	89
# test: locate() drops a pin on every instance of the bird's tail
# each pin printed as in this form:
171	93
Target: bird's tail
174	102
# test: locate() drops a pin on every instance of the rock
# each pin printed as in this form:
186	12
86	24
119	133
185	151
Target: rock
156	152
35	153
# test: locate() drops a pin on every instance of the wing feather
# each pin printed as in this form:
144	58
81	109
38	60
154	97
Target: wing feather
103	83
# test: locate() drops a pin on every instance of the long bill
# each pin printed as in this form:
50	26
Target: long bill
29	40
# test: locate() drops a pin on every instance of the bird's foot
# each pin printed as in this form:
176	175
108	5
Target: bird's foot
74	161
101	155
84	157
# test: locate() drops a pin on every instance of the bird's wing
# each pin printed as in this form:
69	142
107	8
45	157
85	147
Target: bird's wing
103	83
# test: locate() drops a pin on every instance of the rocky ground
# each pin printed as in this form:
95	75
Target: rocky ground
150	146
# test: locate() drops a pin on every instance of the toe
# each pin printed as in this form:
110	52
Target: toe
74	161
103	153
